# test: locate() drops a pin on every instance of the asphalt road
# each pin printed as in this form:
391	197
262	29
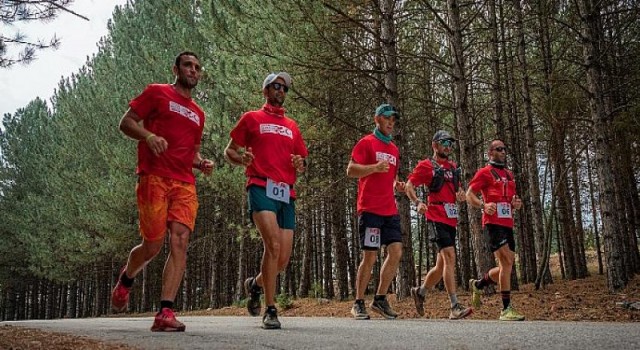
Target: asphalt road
206	332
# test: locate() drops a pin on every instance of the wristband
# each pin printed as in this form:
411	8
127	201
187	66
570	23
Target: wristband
149	136
417	202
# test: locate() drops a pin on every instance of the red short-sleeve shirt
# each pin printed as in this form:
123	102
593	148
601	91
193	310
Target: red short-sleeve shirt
177	119
375	191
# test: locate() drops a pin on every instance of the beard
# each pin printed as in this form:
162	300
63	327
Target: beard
184	82
442	155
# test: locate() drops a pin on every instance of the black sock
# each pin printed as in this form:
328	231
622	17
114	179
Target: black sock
379	297
506	298
271	309
166	303
126	281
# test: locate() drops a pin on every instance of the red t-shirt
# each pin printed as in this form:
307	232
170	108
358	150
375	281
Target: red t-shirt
177	119
499	191
422	175
273	138
375	191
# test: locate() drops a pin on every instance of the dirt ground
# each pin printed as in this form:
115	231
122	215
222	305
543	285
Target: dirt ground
580	300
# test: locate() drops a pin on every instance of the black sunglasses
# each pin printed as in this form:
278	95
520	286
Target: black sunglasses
500	149
278	86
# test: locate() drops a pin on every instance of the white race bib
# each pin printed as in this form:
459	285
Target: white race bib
503	210
278	191
372	237
452	210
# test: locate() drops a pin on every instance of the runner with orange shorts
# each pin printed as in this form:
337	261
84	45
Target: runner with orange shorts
168	125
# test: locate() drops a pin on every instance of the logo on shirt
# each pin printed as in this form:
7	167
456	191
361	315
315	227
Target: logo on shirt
386	156
184	111
276	129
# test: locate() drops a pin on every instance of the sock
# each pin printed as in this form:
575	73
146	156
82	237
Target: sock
271	309
166	303
506	298
379	297
454	299
422	291
359	301
485	281
126	281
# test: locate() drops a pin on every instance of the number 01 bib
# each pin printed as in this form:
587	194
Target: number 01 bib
278	191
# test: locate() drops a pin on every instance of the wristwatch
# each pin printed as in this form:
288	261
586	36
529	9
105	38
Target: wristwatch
417	202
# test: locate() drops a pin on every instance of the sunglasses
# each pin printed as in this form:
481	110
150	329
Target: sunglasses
500	149
446	143
278	86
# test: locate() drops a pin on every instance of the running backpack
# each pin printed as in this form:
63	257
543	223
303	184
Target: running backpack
438	177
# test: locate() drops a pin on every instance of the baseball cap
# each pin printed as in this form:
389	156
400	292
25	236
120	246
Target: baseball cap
442	135
387	110
273	76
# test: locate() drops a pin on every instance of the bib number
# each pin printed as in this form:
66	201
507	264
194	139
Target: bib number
503	210
372	237
451	209
278	191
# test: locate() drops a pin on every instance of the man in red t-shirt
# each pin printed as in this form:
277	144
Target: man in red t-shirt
499	199
374	161
168	125
442	176
270	146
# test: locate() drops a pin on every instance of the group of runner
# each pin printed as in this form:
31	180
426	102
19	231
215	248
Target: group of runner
168	126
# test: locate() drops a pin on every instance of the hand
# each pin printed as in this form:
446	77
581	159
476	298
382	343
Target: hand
400	186
381	167
247	156
490	208
422	208
461	196
516	202
206	166
157	144
298	162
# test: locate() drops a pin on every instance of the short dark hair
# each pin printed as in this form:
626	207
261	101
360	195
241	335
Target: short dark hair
184	53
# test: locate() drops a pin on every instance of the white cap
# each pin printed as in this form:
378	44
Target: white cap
273	76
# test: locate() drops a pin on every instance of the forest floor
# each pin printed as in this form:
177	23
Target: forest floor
579	300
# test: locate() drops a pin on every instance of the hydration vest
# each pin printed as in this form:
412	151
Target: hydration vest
438	179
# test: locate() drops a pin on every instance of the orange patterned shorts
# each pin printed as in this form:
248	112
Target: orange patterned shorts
162	200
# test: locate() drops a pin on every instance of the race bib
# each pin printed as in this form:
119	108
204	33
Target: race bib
372	237
503	210
278	191
452	210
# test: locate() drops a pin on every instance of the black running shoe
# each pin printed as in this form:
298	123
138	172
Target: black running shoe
270	319
359	311
383	308
253	296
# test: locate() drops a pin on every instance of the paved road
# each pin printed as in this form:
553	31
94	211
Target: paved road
205	332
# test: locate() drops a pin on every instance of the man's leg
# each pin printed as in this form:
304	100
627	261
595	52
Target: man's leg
165	320
387	273
359	310
433	277
506	258
176	261
269	231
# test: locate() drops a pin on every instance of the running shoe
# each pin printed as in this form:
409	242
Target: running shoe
165	321
383	308
418	300
359	311
253	294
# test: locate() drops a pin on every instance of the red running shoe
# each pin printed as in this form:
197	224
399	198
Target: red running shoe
165	321
120	295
